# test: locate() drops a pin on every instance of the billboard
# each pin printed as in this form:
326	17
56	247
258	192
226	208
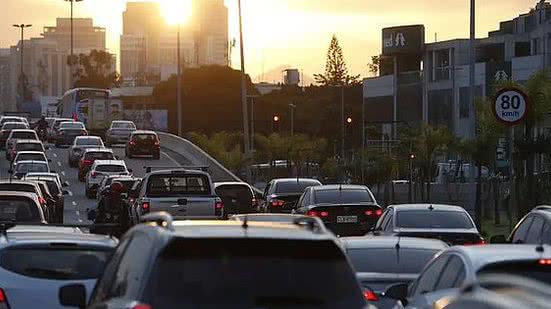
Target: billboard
403	40
149	119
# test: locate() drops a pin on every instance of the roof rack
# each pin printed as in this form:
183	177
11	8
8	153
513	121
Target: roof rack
161	219
313	224
6	225
203	168
543	207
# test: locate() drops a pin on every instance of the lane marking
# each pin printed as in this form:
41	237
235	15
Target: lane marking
70	193
63	173
59	164
55	155
74	203
68	183
78	213
170	158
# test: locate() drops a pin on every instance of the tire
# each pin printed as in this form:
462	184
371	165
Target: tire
89	194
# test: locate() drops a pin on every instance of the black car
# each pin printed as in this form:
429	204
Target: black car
281	195
381	262
68	131
534	228
238	197
165	264
451	224
347	210
143	143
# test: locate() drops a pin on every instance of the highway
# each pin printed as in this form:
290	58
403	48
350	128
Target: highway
76	203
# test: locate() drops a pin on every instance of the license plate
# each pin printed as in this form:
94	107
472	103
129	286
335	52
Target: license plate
347	219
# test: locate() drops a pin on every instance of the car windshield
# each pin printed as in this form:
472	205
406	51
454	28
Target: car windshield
342	196
88	141
110	168
390	260
99	155
30	157
240	193
55	263
530	269
23	135
293	186
31	167
123	125
18	187
144	137
71	125
433	219
252	273
19	209
174	185
52	184
29	147
14	126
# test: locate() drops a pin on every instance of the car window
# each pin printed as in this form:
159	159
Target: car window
535	232
294	186
99	155
342	196
24	135
29	147
88	141
71	125
241	193
144	137
30	157
31	167
110	168
306	198
174	184
128	276
255	273
433	219
519	235
19	209
390	260
529	269
101	291
546	233
123	125
389	225
453	275
427	281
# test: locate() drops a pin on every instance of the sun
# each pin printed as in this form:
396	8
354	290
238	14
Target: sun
176	11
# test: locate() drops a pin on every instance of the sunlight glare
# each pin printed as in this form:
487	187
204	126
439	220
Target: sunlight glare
176	11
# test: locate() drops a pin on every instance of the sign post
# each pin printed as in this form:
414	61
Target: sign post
511	108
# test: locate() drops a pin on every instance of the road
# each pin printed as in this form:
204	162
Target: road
76	203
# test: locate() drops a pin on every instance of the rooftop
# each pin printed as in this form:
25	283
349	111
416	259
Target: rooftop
481	256
438	207
391	241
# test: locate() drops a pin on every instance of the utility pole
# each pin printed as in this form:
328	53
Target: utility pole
179	83
72	39
342	123
22	73
472	67
292	106
246	137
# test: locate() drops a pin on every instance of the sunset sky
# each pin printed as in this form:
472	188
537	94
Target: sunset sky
288	32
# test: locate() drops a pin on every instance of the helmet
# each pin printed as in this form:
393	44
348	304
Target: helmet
43	117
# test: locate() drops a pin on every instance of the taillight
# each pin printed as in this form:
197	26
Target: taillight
373	213
219	205
278	203
93	174
313	213
479	242
41	200
141	306
218	208
86	162
324	214
4	300
378	212
369	213
146	206
544	262
157	143
254	202
132	142
370	295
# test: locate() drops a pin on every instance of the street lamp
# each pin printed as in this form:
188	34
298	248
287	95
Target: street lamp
292	106
71	63
246	136
22	27
349	120
179	83
275	121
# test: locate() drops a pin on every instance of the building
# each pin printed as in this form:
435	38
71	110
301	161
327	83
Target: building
5	86
210	22
429	82
86	35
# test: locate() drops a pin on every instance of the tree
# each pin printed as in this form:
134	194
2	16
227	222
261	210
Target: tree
373	67
336	71
95	70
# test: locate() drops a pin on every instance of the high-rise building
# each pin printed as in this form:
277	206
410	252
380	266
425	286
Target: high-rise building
210	22
86	36
5	85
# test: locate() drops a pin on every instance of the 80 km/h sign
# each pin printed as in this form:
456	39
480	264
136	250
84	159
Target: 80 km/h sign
511	106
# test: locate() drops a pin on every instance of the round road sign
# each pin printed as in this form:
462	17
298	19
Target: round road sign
511	106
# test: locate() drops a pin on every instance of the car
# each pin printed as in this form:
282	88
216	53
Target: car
347	210
5	119
26	145
56	190
18	134
173	264
451	224
74	153
119	132
53	130
54	176
100	169
143	143
460	266
7	128
534	228
68	131
381	262
315	222
32	188
54	216
183	193
24	167
21	207
88	158
29	156
35	261
127	181
281	195
238	197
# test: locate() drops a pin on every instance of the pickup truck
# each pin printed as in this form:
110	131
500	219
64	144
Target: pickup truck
183	193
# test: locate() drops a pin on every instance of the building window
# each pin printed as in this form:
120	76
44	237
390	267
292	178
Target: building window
464	106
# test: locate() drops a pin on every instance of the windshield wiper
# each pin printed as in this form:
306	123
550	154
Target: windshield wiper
284	301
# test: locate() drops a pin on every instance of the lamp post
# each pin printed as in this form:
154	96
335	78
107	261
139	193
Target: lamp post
292	106
71	62
22	28
179	83
246	137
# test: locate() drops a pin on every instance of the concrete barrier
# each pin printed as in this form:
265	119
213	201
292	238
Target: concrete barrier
196	156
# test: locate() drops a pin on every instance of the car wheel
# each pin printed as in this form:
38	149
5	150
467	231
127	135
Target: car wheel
89	193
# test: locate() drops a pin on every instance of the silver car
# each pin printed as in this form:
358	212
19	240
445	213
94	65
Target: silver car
79	146
119	132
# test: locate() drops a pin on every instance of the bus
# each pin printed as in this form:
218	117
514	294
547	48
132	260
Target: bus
90	106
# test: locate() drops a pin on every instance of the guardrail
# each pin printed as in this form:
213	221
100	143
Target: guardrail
197	156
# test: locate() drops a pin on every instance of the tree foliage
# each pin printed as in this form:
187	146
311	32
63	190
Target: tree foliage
373	67
95	70
336	71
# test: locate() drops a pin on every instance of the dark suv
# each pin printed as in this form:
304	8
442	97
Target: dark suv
281	195
143	143
534	228
223	264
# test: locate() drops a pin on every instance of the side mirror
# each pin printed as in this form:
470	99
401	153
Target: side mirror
73	295
92	214
498	239
117	158
398	291
65	184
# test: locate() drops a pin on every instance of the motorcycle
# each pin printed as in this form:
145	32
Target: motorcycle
42	134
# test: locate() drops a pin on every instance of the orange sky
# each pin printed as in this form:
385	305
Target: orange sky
291	32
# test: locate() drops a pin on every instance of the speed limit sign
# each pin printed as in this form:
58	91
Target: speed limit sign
511	106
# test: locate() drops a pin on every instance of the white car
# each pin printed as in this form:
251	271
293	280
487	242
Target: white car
119	132
29	156
100	169
17	135
24	167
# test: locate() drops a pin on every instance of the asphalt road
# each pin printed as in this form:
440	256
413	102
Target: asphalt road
76	203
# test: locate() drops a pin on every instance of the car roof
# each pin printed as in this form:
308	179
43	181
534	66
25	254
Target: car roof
98	150
382	242
72	122
480	256
438	207
30	195
22	130
339	187
30	152
3	181
32	162
14	122
138	132
42	174
87	137
122	121
230	183
176	171
28	141
294	179
41	234
109	162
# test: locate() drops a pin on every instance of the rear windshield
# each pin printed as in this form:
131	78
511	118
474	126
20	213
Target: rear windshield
55	264
31	167
390	260
530	269
236	192
433	219
30	157
29	147
110	168
123	125
144	137
4	120
24	135
99	156
58	122
72	125
88	141
17	187
12	126
174	185
342	196
18	208
294	186
252	273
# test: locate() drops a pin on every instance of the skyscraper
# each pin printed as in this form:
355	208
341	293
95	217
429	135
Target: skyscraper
210	23
86	36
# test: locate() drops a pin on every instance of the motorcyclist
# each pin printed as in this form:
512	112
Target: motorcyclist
42	127
112	209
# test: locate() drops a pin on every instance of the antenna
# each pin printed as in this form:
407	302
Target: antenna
431	208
